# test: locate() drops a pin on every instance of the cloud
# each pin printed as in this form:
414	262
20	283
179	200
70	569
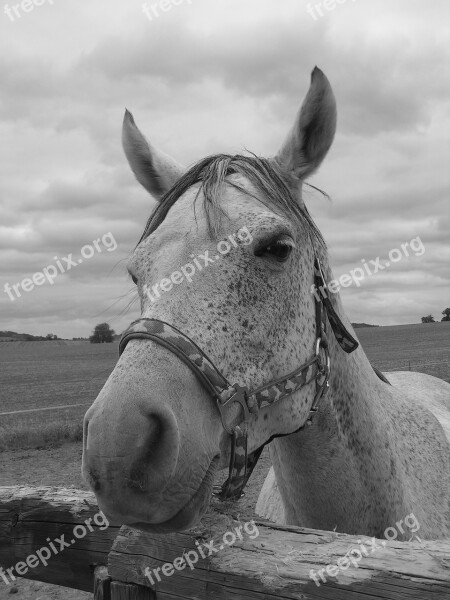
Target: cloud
212	77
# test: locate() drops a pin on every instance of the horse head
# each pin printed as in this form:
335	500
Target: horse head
227	258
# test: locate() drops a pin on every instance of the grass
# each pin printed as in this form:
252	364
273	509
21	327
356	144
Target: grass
47	435
423	347
45	375
42	374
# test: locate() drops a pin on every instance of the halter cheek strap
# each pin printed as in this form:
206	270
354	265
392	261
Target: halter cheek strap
226	395
343	337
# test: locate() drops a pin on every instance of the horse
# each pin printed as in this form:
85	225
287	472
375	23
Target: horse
236	347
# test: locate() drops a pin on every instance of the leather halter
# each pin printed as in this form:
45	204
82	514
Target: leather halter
317	369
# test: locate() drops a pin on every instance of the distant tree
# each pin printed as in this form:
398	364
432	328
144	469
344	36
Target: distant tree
446	314
102	333
428	319
51	336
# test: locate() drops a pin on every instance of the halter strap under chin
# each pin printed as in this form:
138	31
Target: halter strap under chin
317	369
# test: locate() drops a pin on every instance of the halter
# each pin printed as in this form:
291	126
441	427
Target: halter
317	369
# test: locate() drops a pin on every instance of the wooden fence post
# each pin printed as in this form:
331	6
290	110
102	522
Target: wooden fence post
129	591
102	584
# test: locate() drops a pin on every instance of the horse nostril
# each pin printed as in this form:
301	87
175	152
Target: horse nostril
150	441
137	449
158	451
156	440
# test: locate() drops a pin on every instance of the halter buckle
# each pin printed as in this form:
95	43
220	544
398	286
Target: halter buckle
240	396
322	346
323	373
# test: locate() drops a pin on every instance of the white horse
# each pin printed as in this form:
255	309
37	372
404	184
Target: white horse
154	438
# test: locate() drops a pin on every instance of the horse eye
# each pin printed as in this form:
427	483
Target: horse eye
280	250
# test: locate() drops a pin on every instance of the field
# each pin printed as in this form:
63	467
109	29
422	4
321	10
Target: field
424	348
51	375
36	375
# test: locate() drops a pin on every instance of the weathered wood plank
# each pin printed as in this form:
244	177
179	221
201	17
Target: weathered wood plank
31	519
278	562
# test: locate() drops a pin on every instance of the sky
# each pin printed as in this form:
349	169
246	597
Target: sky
208	76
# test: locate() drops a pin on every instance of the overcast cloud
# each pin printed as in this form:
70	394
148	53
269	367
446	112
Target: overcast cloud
219	76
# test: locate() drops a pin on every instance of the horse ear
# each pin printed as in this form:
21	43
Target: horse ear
312	134
156	171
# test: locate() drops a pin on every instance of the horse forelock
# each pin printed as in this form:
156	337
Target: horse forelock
212	172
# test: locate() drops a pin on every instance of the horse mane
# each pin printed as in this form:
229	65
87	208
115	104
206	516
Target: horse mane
212	172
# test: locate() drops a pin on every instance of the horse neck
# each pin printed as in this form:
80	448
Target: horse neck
356	396
355	392
333	466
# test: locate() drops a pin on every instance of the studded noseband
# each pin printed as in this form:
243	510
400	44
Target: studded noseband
317	369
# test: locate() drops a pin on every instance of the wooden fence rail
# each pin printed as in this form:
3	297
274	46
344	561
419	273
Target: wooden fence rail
261	562
29	516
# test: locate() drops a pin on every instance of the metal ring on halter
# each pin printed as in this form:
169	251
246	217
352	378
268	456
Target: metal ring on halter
239	397
322	345
323	370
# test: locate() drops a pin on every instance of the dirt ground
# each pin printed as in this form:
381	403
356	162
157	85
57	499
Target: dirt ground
61	467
